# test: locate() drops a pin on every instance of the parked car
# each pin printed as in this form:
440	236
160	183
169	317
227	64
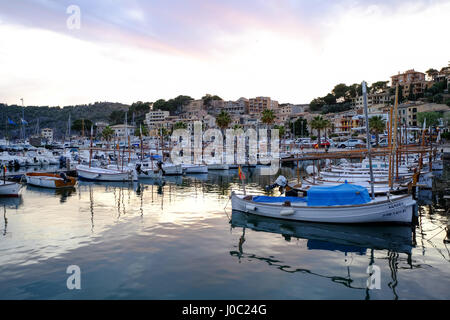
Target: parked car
352	143
381	143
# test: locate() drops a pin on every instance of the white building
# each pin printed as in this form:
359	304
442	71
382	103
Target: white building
156	116
120	130
47	133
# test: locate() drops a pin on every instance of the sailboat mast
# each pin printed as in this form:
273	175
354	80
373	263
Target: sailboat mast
369	147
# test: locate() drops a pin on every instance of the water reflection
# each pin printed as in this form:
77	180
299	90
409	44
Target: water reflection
331	237
63	194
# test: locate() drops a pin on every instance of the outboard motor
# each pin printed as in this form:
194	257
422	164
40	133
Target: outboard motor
64	177
159	164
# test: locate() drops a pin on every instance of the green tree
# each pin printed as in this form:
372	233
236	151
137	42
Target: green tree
179	125
117	117
316	104
377	86
223	120
377	126
107	133
432	118
268	117
340	90
207	99
299	127
329	99
318	123
281	131
137	131
431	72
77	125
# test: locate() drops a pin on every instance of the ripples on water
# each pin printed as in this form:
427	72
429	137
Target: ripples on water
174	240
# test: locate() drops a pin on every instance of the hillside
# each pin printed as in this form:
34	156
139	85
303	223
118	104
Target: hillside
54	117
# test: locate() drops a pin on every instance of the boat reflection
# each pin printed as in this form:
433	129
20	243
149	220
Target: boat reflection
62	193
345	238
349	239
11	202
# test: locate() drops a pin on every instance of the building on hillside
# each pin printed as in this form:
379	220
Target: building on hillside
121	130
407	113
381	98
258	104
155	119
47	134
411	81
195	108
99	127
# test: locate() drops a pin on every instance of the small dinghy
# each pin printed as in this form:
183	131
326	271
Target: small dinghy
343	203
9	189
50	180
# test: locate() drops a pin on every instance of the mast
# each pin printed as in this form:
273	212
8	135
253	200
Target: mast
369	146
90	149
393	128
23	118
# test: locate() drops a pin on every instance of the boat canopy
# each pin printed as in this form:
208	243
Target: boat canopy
340	195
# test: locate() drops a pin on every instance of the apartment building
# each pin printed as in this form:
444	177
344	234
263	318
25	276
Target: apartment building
47	134
121	130
156	118
381	98
258	104
407	113
411	81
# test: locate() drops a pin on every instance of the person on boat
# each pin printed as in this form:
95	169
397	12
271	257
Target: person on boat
282	183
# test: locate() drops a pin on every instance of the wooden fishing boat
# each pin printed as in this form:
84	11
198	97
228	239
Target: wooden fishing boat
9	189
344	203
50	180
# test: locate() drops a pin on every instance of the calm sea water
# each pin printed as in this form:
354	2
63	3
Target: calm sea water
180	240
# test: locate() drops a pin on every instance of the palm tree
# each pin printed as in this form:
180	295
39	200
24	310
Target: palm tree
319	123
107	133
377	126
223	120
268	117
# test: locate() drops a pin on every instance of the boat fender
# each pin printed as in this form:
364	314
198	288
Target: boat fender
250	207
287	212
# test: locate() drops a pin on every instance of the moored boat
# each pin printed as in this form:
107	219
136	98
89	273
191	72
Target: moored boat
101	174
338	204
9	189
50	180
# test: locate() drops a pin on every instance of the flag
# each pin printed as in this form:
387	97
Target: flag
23	121
10	121
241	174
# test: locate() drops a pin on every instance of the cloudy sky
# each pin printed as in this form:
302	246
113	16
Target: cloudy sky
291	50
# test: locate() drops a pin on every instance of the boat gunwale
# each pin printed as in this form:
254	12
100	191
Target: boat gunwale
322	207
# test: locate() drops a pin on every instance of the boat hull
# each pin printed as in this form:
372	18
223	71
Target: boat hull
105	174
9	189
51	181
399	209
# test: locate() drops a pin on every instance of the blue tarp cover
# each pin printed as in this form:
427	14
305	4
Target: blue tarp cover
269	199
341	195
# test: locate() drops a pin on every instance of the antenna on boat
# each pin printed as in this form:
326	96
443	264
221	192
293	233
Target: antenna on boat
369	147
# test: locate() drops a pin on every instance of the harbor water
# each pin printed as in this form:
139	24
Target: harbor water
180	240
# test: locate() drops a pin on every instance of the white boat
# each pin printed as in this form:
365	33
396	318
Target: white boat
169	169
9	189
101	174
340	204
194	168
50	180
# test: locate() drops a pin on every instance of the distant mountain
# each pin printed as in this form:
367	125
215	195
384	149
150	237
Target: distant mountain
53	117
